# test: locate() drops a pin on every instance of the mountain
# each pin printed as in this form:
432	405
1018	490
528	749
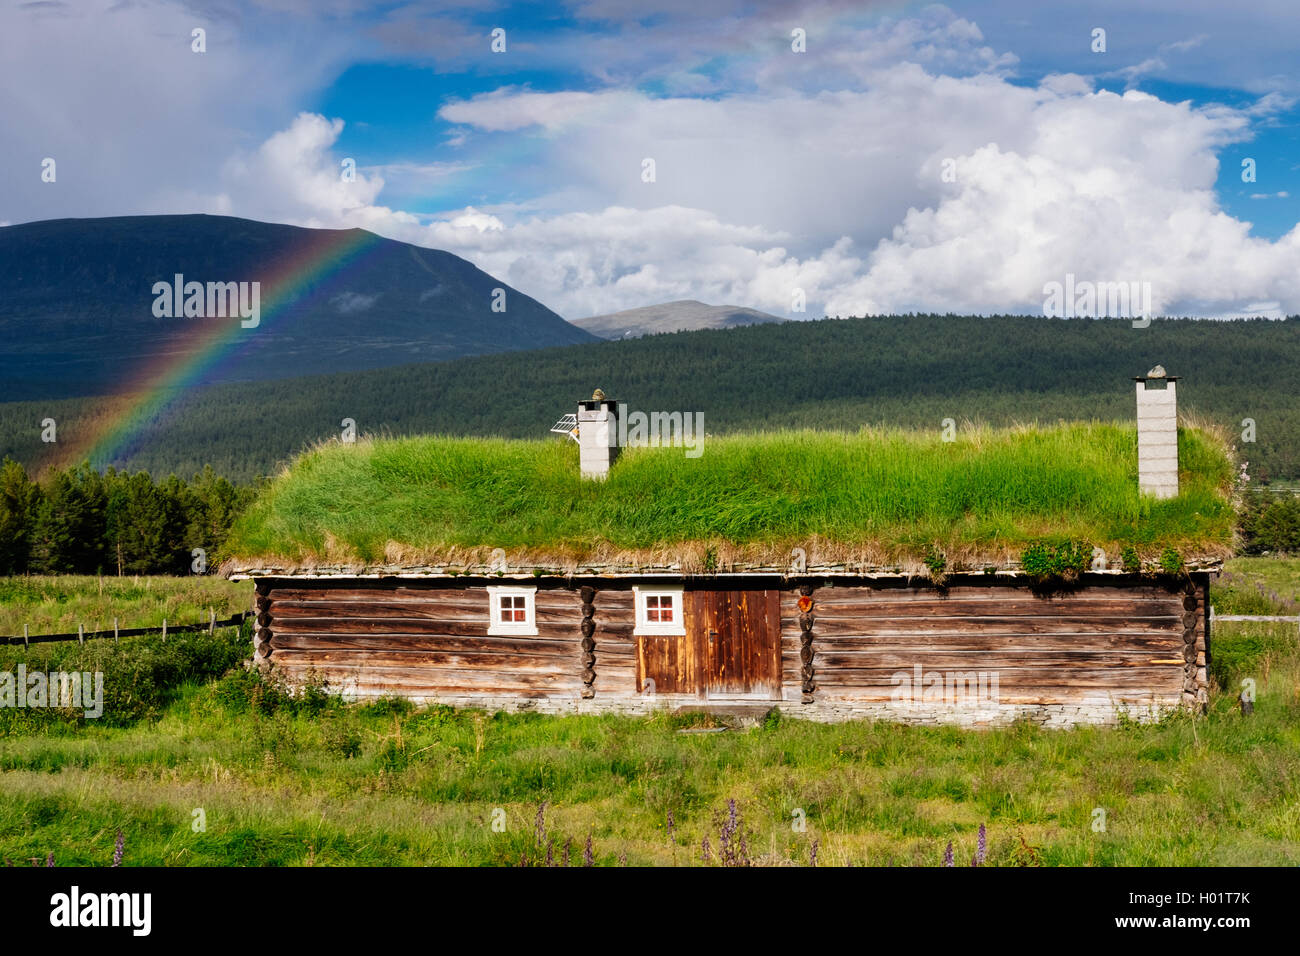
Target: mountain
684	315
78	305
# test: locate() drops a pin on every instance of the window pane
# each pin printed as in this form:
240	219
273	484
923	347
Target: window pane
659	608
512	608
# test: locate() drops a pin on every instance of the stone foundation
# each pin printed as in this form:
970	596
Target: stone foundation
1100	712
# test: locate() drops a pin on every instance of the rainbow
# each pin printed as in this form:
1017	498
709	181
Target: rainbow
157	386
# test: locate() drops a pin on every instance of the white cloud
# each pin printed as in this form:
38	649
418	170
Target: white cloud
819	171
1049	180
137	121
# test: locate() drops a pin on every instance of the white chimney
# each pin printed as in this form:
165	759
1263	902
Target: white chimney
1157	418
597	435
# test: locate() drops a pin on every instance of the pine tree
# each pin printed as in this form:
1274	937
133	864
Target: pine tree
20	499
70	528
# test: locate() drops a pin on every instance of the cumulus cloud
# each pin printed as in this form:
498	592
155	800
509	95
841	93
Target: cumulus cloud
1104	186
823	174
1108	188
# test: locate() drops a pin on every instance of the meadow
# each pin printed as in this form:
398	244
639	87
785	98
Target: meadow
199	762
56	604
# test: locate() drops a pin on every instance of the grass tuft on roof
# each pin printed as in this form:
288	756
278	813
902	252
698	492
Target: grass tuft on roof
882	497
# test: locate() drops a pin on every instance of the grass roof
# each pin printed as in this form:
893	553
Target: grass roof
880	498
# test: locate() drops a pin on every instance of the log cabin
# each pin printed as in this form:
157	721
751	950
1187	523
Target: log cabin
505	575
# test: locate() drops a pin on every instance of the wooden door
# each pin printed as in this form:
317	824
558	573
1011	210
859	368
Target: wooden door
742	643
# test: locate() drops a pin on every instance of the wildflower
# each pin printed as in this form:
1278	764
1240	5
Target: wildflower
540	827
947	855
118	847
981	848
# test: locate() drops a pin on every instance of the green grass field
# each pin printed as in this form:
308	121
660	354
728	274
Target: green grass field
308	781
880	495
57	604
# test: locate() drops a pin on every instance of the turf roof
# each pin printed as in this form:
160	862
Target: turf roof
871	499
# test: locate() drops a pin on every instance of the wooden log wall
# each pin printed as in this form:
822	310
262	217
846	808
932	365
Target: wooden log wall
844	645
424	642
1196	648
1094	643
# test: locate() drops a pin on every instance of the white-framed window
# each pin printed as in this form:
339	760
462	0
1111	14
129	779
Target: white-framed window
659	610
512	610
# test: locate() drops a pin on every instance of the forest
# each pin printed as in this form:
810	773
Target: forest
79	521
912	371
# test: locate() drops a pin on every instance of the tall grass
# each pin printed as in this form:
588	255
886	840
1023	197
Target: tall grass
308	781
56	604
388	784
899	492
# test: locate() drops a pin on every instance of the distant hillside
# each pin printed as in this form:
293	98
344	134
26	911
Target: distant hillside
684	315
77	316
911	371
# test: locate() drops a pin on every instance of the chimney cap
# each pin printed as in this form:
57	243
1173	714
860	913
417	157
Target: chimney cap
1156	374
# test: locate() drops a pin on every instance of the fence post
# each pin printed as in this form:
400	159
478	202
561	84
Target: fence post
212	621
26	643
114	630
164	630
81	633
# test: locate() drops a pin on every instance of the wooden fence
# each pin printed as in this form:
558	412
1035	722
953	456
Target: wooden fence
83	635
1254	617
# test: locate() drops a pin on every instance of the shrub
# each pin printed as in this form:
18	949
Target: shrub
1043	561
249	690
388	706
1276	527
1171	562
936	561
141	674
341	737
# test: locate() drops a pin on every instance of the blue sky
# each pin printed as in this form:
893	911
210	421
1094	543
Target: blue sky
777	172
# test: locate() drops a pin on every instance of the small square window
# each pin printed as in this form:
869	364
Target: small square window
659	611
513	607
659	608
512	611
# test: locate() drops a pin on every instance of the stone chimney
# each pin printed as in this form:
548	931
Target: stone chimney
1157	418
597	435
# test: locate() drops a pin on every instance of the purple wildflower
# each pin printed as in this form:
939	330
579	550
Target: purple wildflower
550	853
982	848
118	847
564	860
539	828
727	834
947	855
812	856
704	848
671	828
588	858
